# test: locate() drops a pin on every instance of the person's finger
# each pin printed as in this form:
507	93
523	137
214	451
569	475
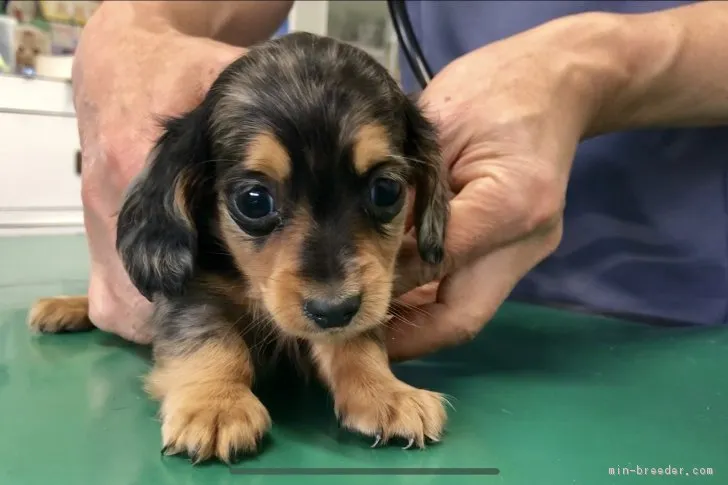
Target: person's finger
468	228
454	317
419	296
484	216
466	300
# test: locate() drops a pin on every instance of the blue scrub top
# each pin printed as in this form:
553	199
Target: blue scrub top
646	230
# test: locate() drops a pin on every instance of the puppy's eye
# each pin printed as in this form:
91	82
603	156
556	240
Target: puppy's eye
254	209
255	203
384	199
385	192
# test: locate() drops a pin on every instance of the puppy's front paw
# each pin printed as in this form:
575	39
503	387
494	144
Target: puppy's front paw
60	314
397	411
223	423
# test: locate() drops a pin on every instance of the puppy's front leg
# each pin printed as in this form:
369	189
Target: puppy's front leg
371	400
207	407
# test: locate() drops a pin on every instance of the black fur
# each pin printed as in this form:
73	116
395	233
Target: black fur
431	204
157	240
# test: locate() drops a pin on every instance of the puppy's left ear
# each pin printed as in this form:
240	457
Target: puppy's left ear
156	229
431	208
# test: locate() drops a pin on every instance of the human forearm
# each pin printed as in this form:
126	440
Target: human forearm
239	23
667	68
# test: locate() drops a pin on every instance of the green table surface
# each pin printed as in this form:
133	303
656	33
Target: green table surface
545	396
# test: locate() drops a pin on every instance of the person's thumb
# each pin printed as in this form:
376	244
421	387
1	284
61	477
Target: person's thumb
463	303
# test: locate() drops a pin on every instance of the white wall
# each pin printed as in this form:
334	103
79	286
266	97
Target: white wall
309	16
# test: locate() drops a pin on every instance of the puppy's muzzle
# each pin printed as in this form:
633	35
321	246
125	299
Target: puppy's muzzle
329	314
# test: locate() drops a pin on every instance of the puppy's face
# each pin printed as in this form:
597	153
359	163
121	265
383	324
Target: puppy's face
307	158
315	225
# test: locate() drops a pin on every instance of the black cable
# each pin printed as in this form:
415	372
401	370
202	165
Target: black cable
408	41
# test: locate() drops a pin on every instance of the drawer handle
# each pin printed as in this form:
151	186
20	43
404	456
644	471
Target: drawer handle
78	162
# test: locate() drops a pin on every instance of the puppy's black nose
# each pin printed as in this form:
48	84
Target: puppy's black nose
332	314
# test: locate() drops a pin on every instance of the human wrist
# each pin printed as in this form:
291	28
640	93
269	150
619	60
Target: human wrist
164	17
634	56
678	69
147	16
659	69
592	63
553	81
239	24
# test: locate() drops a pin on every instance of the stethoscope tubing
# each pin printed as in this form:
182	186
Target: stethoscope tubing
408	42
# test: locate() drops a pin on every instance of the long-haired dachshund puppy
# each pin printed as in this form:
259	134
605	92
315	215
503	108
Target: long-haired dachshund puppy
279	205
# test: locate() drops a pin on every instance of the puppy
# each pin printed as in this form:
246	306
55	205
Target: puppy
275	211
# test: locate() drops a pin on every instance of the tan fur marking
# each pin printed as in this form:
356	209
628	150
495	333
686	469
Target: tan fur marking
267	155
208	409
272	271
376	259
376	278
60	314
371	146
180	198
369	398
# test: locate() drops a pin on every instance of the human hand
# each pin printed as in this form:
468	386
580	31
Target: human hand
510	117
126	74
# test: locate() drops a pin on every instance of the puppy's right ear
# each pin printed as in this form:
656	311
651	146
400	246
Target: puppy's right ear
431	208
156	231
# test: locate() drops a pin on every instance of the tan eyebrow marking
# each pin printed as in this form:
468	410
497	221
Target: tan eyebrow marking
266	154
372	144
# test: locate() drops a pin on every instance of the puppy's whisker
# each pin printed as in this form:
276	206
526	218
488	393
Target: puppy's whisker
400	318
447	399
269	338
414	160
409	306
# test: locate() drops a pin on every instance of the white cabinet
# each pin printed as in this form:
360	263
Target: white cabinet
38	168
47	96
40	189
